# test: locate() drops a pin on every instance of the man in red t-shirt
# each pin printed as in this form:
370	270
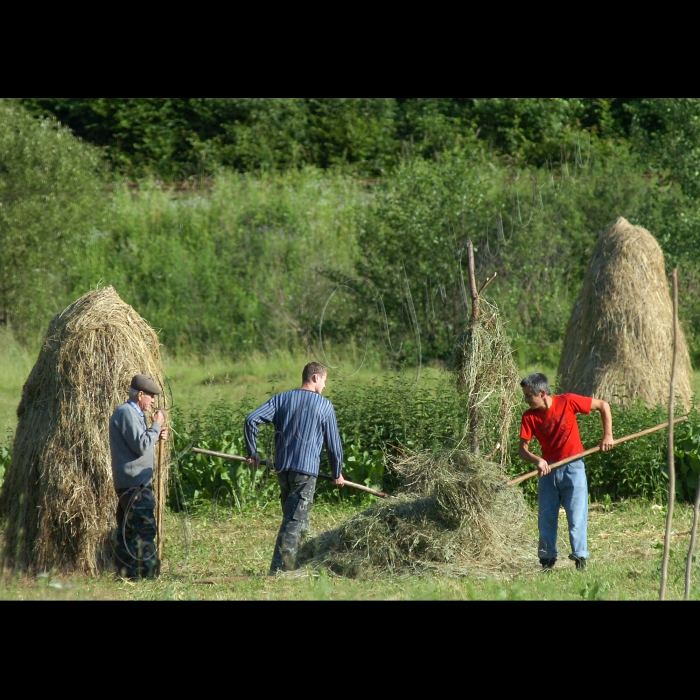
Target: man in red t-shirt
552	421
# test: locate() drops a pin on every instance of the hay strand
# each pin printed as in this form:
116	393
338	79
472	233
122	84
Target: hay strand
619	341
58	501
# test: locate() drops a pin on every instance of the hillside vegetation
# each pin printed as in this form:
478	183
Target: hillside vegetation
302	221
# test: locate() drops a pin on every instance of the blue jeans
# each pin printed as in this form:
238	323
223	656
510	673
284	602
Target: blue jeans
565	486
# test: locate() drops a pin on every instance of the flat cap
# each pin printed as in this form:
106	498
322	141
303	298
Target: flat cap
143	383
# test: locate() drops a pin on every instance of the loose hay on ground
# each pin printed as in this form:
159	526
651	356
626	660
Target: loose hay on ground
619	342
453	516
58	501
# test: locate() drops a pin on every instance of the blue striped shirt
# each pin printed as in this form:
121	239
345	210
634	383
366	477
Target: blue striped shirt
303	422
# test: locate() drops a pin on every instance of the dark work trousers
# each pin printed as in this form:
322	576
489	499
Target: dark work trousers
135	550
296	495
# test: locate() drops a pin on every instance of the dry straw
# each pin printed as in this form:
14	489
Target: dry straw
452	514
619	341
58	500
488	378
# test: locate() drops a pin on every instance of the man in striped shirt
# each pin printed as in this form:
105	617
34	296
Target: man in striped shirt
304	421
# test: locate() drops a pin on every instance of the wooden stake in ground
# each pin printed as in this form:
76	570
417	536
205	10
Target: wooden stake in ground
161	482
670	456
473	408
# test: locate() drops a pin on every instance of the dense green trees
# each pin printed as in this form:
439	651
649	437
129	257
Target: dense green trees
184	136
295	196
51	203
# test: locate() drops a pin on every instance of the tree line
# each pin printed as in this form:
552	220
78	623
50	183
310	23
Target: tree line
179	137
297	196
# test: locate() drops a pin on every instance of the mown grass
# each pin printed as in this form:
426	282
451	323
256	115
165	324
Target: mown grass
625	541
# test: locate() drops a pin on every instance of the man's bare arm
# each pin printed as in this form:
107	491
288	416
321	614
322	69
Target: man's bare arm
525	454
607	443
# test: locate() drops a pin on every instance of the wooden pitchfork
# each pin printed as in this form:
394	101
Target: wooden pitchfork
568	460
325	477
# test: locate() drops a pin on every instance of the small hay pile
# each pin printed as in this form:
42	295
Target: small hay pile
453	514
619	341
58	502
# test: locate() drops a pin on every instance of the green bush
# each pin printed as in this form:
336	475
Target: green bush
198	478
235	270
51	204
535	227
687	457
5	459
373	422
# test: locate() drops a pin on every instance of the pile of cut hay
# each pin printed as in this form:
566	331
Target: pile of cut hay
619	341
58	502
453	514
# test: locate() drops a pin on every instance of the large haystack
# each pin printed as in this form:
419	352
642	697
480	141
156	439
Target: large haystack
58	502
619	341
453	514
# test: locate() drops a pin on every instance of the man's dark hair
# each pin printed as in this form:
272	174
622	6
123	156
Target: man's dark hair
535	383
311	369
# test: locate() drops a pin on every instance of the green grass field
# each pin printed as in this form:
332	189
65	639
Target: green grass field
625	539
197	381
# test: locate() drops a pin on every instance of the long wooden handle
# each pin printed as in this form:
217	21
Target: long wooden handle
224	455
325	477
592	450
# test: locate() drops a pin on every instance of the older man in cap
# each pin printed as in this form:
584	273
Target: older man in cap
131	443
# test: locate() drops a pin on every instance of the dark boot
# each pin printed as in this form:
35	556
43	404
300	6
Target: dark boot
547	565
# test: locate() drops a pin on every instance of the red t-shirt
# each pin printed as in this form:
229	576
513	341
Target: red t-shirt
556	428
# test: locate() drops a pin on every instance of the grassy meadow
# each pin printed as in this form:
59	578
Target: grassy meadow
247	229
626	539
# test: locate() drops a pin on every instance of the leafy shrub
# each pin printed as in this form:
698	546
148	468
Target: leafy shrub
200	478
5	459
687	453
51	202
236	270
373	421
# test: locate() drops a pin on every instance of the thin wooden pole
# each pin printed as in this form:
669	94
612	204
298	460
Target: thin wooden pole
691	549
473	408
161	485
670	456
323	477
472	281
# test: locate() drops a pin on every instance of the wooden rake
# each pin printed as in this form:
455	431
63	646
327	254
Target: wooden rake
592	450
325	477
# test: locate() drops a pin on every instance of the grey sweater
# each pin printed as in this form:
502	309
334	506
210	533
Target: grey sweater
131	443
